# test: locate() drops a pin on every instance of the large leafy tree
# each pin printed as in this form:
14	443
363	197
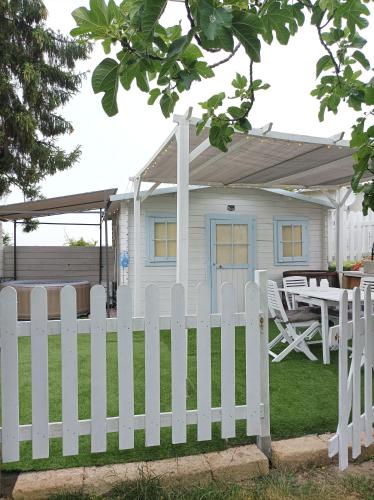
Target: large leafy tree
37	77
164	61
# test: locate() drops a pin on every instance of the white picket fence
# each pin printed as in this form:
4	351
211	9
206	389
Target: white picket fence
356	345
40	430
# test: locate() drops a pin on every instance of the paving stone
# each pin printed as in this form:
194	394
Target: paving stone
238	464
193	469
300	453
38	485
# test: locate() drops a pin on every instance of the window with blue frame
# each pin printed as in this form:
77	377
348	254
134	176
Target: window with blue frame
290	241
161	240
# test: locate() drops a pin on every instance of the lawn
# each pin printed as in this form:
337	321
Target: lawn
303	396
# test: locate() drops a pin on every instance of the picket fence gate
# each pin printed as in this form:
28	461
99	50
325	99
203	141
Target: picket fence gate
39	328
356	346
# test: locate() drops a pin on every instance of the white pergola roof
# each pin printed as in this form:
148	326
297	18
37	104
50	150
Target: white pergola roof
262	158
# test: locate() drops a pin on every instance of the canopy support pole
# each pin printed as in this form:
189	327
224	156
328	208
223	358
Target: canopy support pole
107	259
183	154
137	248
101	249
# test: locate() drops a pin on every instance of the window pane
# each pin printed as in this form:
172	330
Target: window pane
298	249
172	230
240	233
160	248
172	248
286	233
224	233
287	250
240	254
224	254
160	230
297	233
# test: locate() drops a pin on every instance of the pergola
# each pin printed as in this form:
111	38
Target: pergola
260	159
84	203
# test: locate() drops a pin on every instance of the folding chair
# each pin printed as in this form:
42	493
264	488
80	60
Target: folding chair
288	324
365	282
293	282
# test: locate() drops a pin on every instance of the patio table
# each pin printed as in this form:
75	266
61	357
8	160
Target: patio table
323	298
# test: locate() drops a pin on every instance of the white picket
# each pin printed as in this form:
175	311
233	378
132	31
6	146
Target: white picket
203	353
343	385
178	364
98	369
9	375
152	366
356	364
228	361
252	356
69	371
125	368
368	367
39	373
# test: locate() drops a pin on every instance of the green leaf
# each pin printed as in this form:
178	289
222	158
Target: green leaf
178	46
240	81
235	112
369	95
152	13
87	23
246	28
105	79
213	19
191	53
153	95
214	102
167	103
100	10
353	11
360	57
324	63
275	19
203	69
142	81
220	134
106	43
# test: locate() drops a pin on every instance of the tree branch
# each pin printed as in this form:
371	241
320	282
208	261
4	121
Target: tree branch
226	59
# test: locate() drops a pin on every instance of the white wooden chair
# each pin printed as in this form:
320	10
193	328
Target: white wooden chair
365	282
293	282
288	324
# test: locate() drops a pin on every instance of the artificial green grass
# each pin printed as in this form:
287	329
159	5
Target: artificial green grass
303	399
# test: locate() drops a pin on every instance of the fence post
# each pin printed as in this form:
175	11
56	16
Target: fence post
264	438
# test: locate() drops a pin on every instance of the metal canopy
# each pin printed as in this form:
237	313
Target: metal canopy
81	202
261	158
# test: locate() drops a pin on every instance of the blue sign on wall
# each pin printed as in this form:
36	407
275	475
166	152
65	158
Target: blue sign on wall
124	259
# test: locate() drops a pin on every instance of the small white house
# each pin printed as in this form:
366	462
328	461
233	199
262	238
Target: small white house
232	232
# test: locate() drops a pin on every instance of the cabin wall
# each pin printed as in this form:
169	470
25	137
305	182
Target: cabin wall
264	206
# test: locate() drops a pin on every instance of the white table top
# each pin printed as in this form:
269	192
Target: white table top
330	294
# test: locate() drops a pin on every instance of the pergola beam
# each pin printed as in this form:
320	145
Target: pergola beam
145	195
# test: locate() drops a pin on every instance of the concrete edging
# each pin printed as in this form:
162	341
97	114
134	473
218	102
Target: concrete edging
234	464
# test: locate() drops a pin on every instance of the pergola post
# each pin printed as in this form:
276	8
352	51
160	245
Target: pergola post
342	196
183	152
137	243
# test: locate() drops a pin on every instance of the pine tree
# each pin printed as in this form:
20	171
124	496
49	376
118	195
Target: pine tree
37	78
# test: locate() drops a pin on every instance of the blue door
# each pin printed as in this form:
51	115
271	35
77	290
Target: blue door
232	255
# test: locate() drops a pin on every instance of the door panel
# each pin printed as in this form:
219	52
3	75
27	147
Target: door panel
232	256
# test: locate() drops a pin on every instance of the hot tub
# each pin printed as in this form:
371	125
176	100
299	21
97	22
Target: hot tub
53	287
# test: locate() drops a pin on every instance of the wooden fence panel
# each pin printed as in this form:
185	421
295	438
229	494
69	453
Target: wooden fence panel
98	369
39	373
69	371
125	368
9	375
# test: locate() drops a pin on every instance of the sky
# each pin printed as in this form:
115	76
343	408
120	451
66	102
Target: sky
114	149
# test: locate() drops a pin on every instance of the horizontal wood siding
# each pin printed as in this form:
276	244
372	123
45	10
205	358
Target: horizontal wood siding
57	263
261	205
